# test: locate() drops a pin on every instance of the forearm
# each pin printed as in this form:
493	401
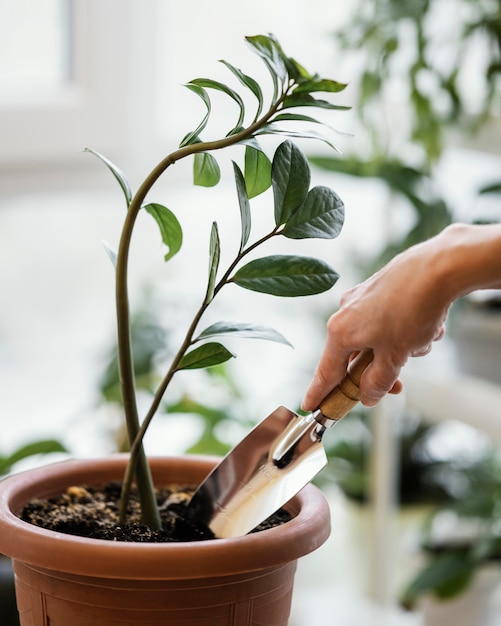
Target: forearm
399	311
469	258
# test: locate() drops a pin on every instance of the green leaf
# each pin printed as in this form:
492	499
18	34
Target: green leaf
116	173
193	137
249	82
208	443
271	129
491	188
170	228
319	84
290	175
286	276
297	72
305	100
296	117
214	256
291	117
257	171
247	330
211	419
206	172
321	216
243	201
214	84
46	446
445	576
271	53
205	355
111	252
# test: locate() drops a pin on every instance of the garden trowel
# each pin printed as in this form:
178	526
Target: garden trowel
273	462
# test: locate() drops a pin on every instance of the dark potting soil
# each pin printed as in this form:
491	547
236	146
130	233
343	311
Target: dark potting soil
94	513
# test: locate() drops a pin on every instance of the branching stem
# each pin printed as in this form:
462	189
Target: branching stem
138	465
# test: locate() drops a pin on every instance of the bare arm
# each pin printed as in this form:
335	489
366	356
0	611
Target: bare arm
402	309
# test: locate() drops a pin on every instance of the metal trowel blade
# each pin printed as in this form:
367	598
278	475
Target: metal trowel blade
275	461
264	471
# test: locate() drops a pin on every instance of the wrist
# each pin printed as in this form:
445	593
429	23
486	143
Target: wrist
467	258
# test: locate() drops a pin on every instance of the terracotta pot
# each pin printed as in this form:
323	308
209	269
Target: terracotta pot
63	579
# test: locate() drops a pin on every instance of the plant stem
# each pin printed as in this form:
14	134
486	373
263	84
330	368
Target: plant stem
138	465
188	340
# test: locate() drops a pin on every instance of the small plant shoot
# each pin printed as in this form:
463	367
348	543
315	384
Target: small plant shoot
300	212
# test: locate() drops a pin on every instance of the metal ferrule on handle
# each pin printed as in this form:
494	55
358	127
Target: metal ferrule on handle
346	395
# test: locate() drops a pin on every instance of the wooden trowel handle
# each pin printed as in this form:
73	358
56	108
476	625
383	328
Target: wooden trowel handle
347	394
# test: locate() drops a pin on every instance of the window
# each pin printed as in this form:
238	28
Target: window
70	75
35	48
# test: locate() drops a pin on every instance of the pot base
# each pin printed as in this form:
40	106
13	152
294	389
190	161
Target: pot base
257	598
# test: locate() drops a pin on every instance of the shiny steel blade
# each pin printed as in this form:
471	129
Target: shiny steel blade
265	470
275	461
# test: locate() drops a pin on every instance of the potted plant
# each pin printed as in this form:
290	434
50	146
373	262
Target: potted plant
69	579
461	552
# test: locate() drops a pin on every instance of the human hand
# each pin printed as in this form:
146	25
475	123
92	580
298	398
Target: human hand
397	313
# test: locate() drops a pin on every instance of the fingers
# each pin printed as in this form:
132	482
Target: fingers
397	387
377	380
440	334
380	378
330	370
427	349
422	351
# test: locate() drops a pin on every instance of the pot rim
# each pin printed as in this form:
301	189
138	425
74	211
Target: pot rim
56	551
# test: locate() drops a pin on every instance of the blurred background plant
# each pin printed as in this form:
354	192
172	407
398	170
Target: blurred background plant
428	472
33	451
461	536
427	75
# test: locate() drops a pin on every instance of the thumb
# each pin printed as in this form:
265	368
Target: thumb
331	369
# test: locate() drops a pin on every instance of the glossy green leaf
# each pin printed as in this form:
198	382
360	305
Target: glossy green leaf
270	52
122	181
290	175
193	137
249	82
297	72
320	216
305	100
206	172
243	201
320	84
296	117
292	117
170	228
284	275
214	257
205	355
271	129
257	171
218	86
247	330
